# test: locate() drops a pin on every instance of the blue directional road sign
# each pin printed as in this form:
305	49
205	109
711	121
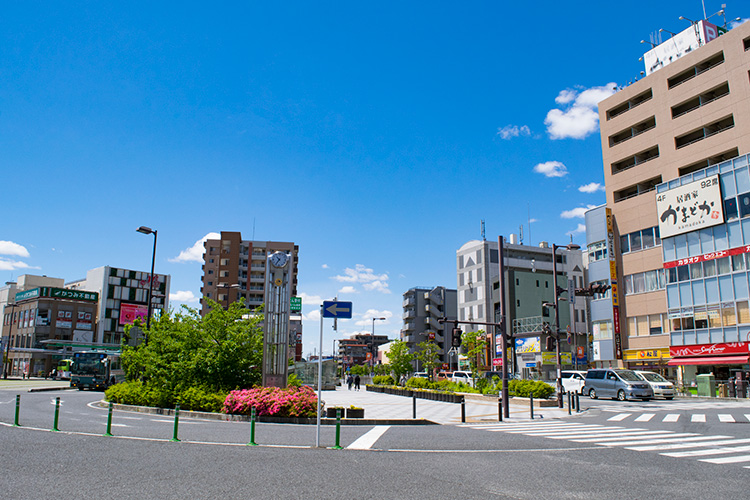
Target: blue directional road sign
334	309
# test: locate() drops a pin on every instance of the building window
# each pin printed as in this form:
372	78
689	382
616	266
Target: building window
630	104
597	251
700	100
640	240
706	131
599	296
631	132
651	281
696	70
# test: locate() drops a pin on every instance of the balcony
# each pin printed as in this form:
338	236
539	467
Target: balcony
408	325
409	313
409	301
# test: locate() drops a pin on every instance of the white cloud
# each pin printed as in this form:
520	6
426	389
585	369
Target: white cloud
310	300
551	169
366	318
185	296
195	252
366	276
531	221
324	266
348	289
576	212
579	117
10	248
592	187
510	131
578	230
11	265
734	24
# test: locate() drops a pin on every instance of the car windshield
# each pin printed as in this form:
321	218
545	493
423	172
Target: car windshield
654	377
628	376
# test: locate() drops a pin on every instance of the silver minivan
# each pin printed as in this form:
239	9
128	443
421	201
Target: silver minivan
614	383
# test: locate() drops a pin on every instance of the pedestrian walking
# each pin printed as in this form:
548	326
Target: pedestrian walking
349	381
356	383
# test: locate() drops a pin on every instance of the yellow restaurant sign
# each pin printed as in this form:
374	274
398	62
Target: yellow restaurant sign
639	354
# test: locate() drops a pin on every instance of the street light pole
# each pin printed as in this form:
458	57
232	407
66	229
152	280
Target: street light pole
148	230
372	354
7	346
558	360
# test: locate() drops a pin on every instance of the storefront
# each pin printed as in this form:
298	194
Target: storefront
724	360
651	360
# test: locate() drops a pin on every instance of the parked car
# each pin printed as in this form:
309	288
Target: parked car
573	380
421	375
461	376
616	384
444	375
491	374
662	387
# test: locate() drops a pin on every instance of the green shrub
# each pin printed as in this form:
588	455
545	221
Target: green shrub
525	388
201	399
383	380
293	380
140	394
419	383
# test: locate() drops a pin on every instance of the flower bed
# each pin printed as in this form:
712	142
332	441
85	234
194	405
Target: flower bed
272	401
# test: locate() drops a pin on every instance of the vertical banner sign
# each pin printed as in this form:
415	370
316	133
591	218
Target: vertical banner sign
613	282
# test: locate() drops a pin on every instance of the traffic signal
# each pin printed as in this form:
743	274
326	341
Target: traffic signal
456	338
550	343
593	289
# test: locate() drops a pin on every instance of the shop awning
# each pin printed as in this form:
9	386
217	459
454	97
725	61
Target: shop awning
710	360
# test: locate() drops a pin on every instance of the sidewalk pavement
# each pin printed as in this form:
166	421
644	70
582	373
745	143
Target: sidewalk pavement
33	384
387	406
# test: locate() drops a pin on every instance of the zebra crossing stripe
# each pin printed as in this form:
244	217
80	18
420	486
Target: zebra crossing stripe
726	418
659	440
554	432
621	416
630	435
617	431
747	416
539	429
698	417
678	446
727	460
671	417
593	436
710	451
645	417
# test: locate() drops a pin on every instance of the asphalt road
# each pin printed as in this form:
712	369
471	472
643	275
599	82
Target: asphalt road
581	457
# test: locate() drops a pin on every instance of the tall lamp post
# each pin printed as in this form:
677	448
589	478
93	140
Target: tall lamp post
7	346
148	230
372	346
558	291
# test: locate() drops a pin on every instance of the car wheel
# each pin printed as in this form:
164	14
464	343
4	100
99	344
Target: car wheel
592	394
621	395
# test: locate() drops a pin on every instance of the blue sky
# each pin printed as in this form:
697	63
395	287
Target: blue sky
376	135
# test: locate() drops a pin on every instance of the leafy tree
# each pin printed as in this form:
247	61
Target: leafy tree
399	359
221	351
475	344
360	370
428	355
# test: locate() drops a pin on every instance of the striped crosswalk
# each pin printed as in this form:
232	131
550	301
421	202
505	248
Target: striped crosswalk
671	418
716	449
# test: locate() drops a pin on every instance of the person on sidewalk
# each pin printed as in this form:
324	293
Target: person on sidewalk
356	383
349	381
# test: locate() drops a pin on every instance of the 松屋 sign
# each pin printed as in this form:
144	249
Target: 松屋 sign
690	207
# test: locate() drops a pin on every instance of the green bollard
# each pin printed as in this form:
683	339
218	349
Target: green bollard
570	399
176	422
109	421
57	414
531	406
338	430
18	410
252	428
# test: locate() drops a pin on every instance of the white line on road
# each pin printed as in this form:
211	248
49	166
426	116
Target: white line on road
645	417
672	417
680	439
630	435
727	460
698	417
678	446
619	417
725	418
698	453
365	441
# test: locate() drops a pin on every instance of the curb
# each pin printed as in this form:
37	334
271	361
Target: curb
264	419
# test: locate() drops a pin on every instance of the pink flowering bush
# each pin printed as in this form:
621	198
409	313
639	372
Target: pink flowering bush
272	401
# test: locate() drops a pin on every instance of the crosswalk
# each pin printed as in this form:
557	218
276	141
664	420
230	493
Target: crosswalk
657	406
672	418
716	449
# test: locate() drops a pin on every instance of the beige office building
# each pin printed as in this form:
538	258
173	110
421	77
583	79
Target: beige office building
690	111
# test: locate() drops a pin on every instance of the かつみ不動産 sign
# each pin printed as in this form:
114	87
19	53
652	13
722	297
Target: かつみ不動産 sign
690	207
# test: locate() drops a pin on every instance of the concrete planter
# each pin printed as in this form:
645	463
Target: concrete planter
355	413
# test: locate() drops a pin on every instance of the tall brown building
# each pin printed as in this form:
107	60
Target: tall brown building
234	268
691	111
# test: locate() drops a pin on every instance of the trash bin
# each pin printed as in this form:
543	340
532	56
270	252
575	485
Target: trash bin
706	385
722	390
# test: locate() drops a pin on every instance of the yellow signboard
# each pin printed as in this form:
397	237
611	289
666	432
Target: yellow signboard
549	358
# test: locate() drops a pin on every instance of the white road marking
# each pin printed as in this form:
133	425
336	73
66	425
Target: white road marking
678	446
645	417
725	418
698	417
727	460
365	441
621	416
680	439
624	436
710	451
671	417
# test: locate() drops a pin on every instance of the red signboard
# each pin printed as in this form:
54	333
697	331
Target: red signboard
618	338
579	352
710	349
131	312
497	362
707	256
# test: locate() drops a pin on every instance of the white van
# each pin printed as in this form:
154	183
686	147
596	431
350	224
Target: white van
573	380
465	377
662	387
